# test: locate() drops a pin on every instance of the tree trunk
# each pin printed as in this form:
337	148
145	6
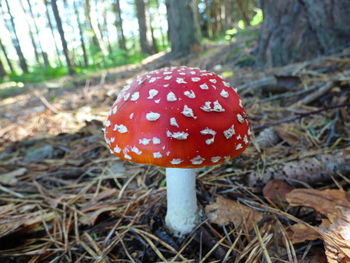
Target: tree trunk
31	36
81	35
58	53
119	26
96	36
184	33
15	40
144	28
294	31
43	53
8	61
63	39
2	70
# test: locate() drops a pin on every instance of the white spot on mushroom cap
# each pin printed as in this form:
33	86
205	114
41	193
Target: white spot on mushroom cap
208	131
190	94
131	116
117	149
136	150
173	122
245	139
226	84
195	79
108	123
204	86
114	109
120	128
239	146
157	155
224	94
229	132
112	139
213	80
216	106
155	140
177	135
197	160
144	141
135	96
176	161
166	85
152	116
167	72
157	101
240	118
171	96
180	81
239	137
127	156
188	112
126	96
152	93
153	79
215	159
167	77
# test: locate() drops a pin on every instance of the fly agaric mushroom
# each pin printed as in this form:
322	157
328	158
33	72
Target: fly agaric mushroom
180	118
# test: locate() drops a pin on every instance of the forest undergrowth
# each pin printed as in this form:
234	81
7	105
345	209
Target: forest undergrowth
65	198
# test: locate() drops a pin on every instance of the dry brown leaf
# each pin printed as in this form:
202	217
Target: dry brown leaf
300	233
326	202
276	190
10	177
335	231
287	132
91	217
225	211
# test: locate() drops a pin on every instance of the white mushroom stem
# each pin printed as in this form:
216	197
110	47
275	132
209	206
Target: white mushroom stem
182	211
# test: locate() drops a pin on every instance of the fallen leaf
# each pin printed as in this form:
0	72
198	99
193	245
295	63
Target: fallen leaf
288	133
300	233
91	217
10	177
276	190
225	211
335	230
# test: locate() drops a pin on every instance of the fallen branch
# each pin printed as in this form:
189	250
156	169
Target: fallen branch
298	116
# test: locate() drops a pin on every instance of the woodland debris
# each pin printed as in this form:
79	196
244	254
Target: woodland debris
319	168
225	211
276	190
335	229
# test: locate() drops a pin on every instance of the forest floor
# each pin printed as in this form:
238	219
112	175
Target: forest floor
64	198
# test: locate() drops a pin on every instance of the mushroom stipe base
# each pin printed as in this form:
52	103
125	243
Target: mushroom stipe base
182	210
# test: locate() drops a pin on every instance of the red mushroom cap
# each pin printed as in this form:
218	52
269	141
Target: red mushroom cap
177	117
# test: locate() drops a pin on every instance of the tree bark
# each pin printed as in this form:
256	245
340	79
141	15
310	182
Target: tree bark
144	28
8	61
96	35
119	26
81	35
15	40
58	53
184	33
2	70
43	53
63	39
294	30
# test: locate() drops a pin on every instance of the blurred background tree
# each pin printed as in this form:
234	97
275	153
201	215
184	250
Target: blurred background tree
43	39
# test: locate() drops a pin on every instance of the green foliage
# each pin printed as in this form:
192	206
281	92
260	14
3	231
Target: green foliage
39	74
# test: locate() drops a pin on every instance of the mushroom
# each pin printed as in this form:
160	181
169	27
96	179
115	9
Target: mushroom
180	118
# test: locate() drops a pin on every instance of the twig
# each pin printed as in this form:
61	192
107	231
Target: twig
316	94
298	116
46	103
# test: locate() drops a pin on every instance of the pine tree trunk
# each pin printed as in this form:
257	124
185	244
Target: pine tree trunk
94	30
81	35
8	61
43	53
15	41
63	39
144	28
294	31
2	70
184	33
58	53
119	26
